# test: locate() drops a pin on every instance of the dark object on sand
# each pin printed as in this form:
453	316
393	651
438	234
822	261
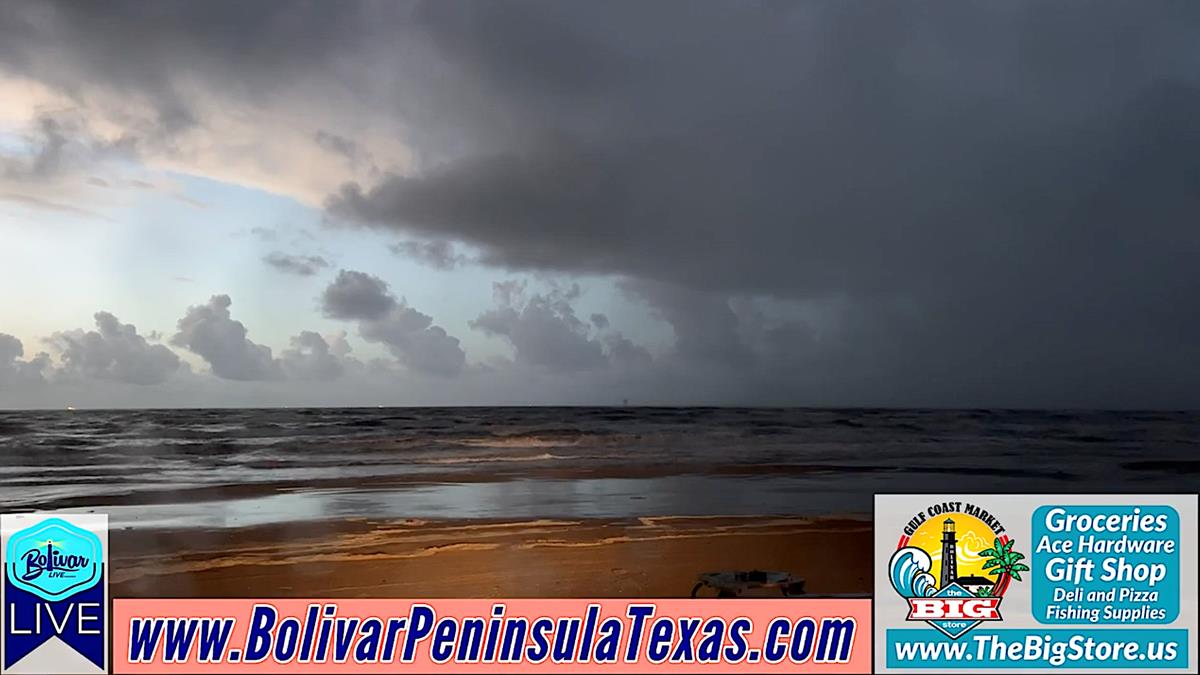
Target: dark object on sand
734	584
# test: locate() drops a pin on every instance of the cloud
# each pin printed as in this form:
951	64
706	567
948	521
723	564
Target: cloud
338	345
15	373
197	95
543	329
300	265
57	152
310	357
47	155
413	339
407	333
979	223
57	145
558	210
625	352
113	352
545	332
438	254
357	295
209	331
169	189
706	327
992	234
49	205
53	153
344	147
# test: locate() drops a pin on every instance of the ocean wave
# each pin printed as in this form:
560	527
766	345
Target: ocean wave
483	459
838	451
532	441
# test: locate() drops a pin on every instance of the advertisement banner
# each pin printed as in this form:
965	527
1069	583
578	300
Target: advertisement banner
1033	583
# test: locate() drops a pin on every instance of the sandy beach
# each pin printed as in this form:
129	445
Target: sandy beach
642	557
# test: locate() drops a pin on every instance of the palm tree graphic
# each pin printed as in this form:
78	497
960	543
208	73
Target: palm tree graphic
1004	563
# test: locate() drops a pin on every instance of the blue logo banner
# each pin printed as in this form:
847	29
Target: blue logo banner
54	559
78	621
55	593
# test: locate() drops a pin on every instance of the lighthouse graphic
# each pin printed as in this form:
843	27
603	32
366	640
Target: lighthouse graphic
949	554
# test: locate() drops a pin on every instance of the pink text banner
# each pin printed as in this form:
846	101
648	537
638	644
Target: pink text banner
492	636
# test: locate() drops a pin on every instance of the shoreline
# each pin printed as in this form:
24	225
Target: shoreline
434	473
650	556
515	499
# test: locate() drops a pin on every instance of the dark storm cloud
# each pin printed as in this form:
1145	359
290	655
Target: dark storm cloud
210	331
962	203
408	334
114	352
625	352
142	50
799	161
300	265
705	325
1005	208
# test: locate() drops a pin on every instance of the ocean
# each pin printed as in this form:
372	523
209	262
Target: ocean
240	467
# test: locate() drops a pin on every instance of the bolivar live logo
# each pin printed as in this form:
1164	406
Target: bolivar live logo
944	563
55	595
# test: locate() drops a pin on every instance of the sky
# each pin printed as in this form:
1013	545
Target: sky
921	204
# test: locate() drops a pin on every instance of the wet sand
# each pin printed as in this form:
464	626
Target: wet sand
641	557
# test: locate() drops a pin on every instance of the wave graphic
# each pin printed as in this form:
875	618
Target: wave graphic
909	573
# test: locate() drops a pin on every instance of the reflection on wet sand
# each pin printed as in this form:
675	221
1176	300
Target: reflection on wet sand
645	557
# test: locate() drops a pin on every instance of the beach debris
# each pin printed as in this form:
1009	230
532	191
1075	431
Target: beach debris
733	584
